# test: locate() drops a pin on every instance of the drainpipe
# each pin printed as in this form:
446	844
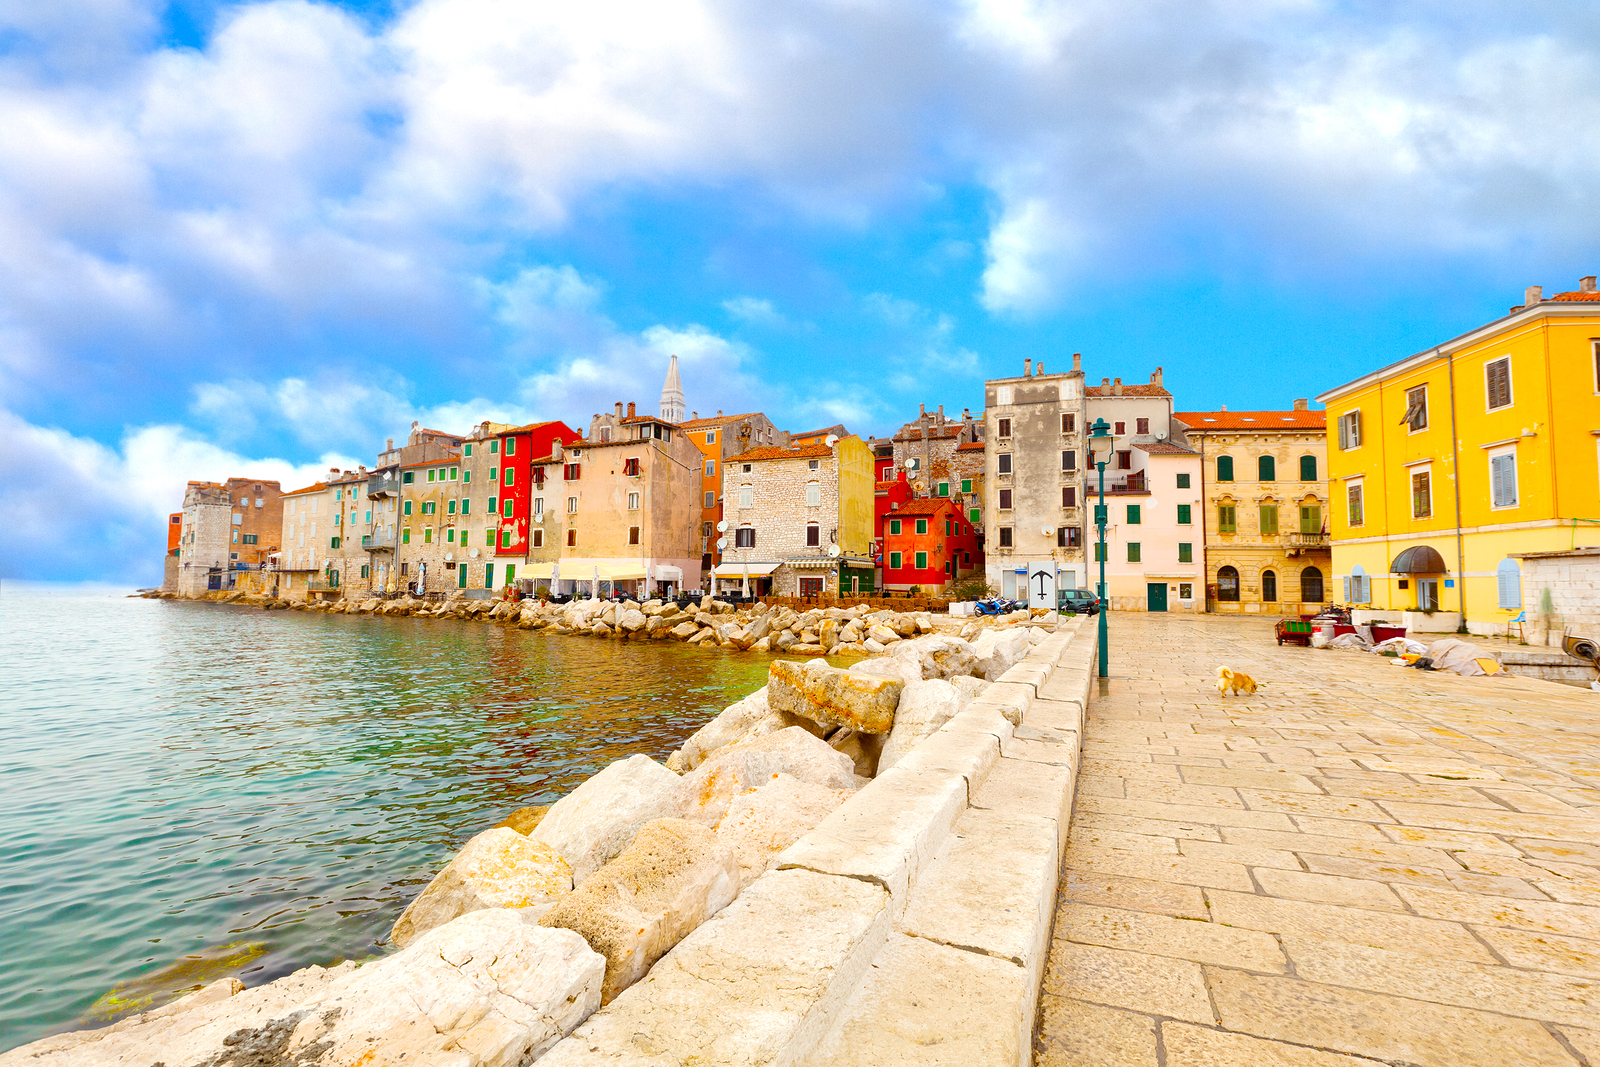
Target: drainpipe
1455	459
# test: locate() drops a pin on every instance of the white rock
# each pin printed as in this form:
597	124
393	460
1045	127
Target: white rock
596	821
924	707
498	868
938	656
631	621
735	721
997	651
704	795
765	821
906	670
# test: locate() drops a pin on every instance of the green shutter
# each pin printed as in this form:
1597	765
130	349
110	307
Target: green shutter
1308	468
1224	468
1183	481
974	516
966	485
1185	514
1311	519
1266	469
1133	514
1227	518
894	526
894	561
922	526
1133	552
922	561
1185	552
1269	519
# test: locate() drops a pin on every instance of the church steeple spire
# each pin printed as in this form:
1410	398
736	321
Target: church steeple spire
672	402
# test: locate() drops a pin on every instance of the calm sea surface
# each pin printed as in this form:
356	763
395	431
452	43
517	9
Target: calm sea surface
193	790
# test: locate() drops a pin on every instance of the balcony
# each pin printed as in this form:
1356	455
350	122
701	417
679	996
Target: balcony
1298	542
378	542
1133	485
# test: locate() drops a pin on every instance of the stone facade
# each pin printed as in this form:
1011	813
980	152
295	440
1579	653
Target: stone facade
719	438
321	553
1266	541
225	534
203	545
1033	442
1560	593
432	528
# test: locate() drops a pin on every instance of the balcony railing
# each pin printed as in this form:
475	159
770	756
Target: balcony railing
1133	483
1297	541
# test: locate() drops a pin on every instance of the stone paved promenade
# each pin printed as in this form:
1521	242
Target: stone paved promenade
1359	864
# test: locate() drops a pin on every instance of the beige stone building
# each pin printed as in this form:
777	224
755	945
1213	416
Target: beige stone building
321	554
721	437
1033	444
382	539
432	531
1265	489
925	449
227	532
799	520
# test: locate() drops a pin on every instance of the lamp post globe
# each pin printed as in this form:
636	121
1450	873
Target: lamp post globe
1101	444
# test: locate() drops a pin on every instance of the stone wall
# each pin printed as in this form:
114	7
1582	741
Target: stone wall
1561	592
778	510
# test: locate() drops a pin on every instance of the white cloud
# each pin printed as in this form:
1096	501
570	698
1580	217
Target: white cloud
754	310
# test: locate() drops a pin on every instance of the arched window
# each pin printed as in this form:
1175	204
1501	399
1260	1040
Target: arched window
1311	586
1224	468
1228	584
1266	469
1308	468
1509	577
1269	586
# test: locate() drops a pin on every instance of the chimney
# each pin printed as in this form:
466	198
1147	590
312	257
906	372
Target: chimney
1586	285
1077	362
694	416
719	413
1116	387
1038	370
922	411
388	446
556	450
1027	367
1532	295
1224	407
941	414
1301	405
1155	379
1105	383
619	409
630	409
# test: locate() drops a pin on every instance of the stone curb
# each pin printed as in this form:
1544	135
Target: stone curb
910	926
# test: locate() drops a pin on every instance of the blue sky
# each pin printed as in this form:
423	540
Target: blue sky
262	237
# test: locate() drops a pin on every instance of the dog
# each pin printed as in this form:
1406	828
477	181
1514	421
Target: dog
1238	681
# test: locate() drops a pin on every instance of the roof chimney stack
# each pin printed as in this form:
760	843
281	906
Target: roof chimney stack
1586	285
630	410
694	416
1027	367
1077	363
1116	387
1301	405
941	414
1105	383
619	409
1155	379
1039	369
922	411
1532	295
389	445
1224	407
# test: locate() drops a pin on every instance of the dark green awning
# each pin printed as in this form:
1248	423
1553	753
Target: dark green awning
1419	559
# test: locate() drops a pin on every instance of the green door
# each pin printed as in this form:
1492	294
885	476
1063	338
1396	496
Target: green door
461	575
1156	596
488	575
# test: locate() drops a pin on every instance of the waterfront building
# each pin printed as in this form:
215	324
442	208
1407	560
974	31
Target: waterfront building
524	454
227	531
925	448
1451	465
627	497
1155	530
169	574
389	570
1265	493
1033	439
719	438
320	554
929	544
818	437
799	520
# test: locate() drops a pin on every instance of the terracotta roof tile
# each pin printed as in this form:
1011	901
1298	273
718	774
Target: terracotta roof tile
717	420
774	452
1579	296
1165	448
314	487
1136	389
970	446
924	506
1253	420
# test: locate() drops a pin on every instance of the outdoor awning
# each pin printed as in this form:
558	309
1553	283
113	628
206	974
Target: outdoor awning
669	574
1419	559
812	563
582	570
730	569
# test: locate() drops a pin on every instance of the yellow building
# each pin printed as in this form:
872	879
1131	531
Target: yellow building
1446	465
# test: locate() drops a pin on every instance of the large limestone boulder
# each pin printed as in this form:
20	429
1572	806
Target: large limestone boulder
499	868
998	650
938	656
906	670
596	821
924	707
705	794
631	621
863	749
487	990
734	723
525	820
672	877
832	696
765	821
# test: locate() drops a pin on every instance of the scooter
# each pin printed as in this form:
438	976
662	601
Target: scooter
995	606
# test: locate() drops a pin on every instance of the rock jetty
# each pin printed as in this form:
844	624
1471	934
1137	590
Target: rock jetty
538	923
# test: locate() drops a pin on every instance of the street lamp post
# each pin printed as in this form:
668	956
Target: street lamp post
1100	441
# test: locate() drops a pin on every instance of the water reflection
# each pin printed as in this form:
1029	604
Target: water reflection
180	776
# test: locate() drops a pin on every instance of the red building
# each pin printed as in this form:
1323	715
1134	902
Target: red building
928	543
519	448
888	495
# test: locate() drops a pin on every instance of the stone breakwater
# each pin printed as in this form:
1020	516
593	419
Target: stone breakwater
847	866
853	631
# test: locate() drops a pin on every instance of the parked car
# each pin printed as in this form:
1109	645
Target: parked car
1077	601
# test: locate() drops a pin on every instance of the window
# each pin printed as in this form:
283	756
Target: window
408	477
538	477
466	506
1185	590
1069	460
1228	584
1349	430
494	446
1003	428
922	561
1358	587
813	495
488	537
1005	537
1354	516
494	506
511	476
1005	500
922	526
711	437
1135	514
1269	520
1125	461
975	515
1133	552
506	508
1509	578
966	485
455	473
572	538
630	467
1503	479
944	488
1311	518
813	535
1099	552
894	526
1266	469
405	535
1269	586
1183	481
633	535
1003	462
1224	468
1069	423
1185	514
1069	496
744	537
431	474
450	507
333	542
711	499
747	497
813	465
894	560
538	538
1416	415
511	446
1497	382
1227	518
1311	585
250	539
494	474
1185	551
1068	537
427	535
572	505
1121	429
450	535
745	468
570	471
468	452
1141	426
1421	494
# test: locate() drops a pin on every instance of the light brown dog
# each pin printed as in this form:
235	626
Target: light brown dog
1237	681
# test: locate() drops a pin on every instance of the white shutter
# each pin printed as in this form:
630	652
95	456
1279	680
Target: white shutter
1348	599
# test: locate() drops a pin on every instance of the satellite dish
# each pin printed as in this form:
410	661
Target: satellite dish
1045	530
919	486
722	527
474	553
449	557
722	542
833	550
911	464
831	440
1162	436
